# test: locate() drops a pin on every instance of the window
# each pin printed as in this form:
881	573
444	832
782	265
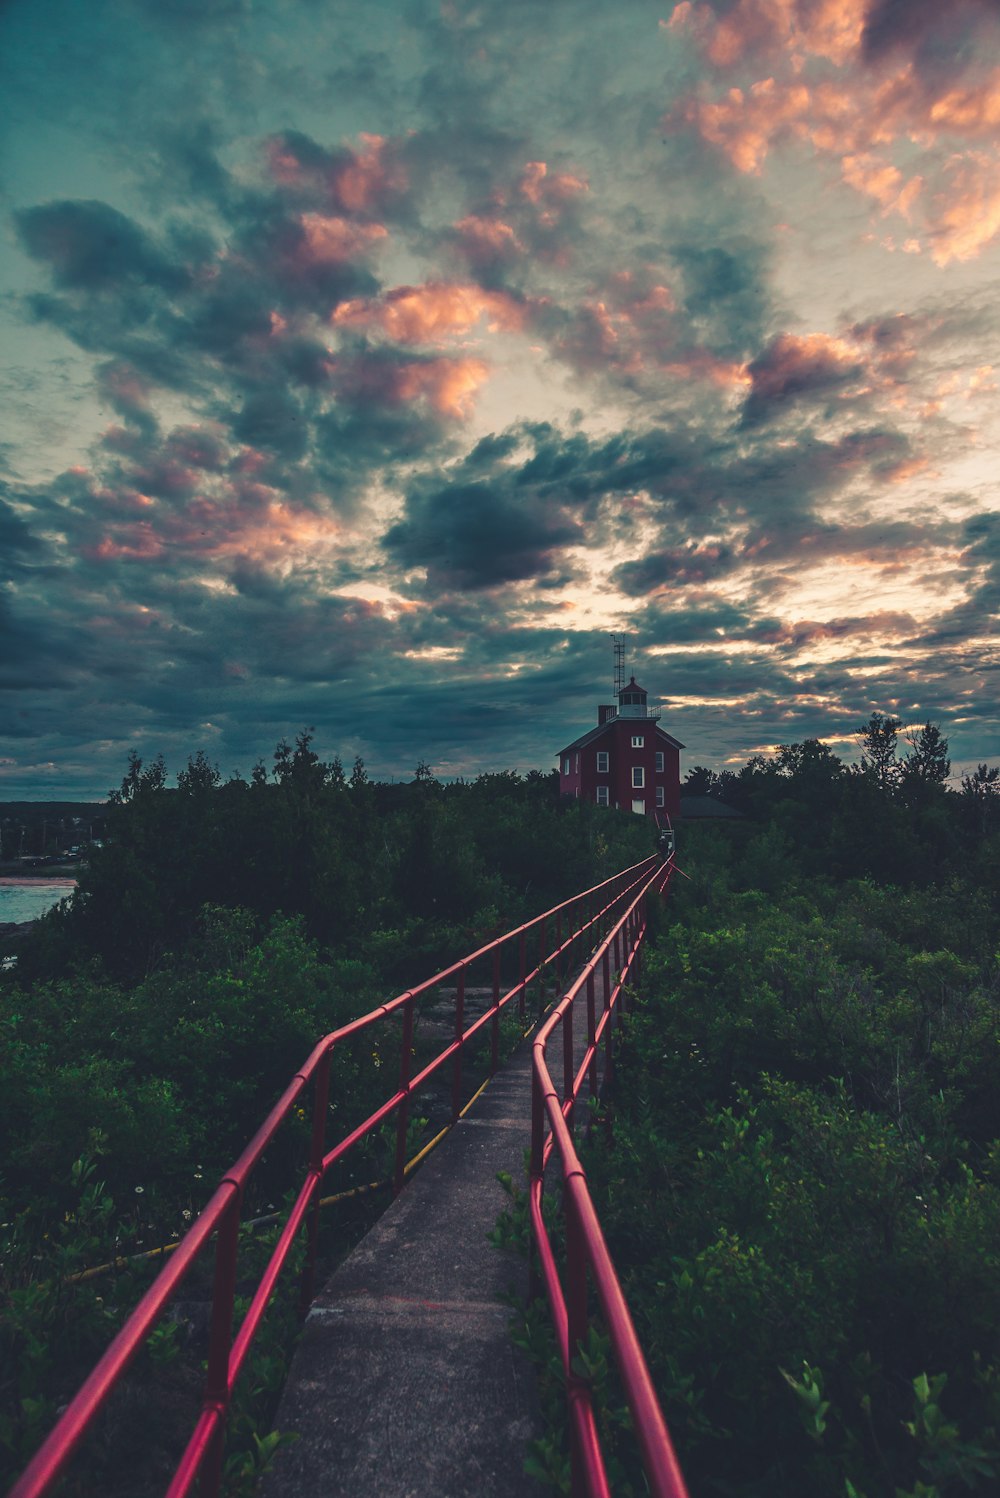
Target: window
659	760
577	765
659	795
603	766
638	777
602	795
566	765
638	740
639	807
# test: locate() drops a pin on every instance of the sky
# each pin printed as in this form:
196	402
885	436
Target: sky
364	367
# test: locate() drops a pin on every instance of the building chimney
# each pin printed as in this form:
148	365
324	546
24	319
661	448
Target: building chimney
606	712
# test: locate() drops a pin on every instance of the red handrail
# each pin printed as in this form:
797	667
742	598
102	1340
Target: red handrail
586	1249
220	1219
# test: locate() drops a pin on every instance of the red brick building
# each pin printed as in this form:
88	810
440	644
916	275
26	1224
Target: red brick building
627	761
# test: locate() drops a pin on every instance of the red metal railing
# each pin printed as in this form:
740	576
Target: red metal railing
573	925
615	963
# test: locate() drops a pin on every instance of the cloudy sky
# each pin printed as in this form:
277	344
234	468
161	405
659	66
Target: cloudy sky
365	365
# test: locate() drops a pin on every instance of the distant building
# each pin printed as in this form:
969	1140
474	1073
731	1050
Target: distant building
627	761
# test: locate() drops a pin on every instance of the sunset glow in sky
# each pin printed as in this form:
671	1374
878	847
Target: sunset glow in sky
363	366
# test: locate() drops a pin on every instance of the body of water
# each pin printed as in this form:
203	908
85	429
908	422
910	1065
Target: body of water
27	899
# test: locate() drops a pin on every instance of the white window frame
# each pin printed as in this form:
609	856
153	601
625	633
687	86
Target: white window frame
602	795
576	767
638	778
660	801
659	762
566	765
638	741
603	762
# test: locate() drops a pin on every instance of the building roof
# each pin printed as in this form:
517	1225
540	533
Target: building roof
602	728
633	686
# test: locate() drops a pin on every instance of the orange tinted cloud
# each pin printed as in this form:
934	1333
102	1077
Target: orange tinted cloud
966	214
369	176
447	385
331	240
486	240
859	113
826	28
539	187
969	111
791	364
236	521
424	314
882	181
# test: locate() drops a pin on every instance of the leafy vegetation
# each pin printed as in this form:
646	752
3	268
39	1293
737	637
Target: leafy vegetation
151	1021
804	1194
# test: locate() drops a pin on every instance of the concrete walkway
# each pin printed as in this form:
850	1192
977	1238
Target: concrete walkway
406	1383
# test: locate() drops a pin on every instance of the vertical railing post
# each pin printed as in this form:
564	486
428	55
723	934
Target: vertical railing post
220	1339
609	1049
559	957
456	1073
567	1034
495	1025
536	1172
591	1034
522	961
541	967
403	1118
576	1309
321	1103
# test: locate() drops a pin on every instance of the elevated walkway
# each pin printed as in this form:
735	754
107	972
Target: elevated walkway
406	1383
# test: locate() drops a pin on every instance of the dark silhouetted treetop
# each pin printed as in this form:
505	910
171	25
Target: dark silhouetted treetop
878	741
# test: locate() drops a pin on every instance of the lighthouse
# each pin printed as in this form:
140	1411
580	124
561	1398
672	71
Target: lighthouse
628	760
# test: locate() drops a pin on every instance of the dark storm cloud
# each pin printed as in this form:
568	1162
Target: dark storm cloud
92	246
16	539
937	37
796	541
477	535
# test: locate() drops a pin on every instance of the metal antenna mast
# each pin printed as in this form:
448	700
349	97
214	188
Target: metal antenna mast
619	642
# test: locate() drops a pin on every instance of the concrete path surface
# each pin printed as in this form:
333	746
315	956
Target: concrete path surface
406	1383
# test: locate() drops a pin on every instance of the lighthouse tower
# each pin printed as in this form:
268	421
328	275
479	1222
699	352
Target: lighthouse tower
628	760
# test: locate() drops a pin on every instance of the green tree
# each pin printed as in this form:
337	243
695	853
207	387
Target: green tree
139	781
926	770
981	794
879	758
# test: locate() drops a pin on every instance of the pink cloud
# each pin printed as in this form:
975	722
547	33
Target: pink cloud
333	240
540	188
138	542
790	365
882	181
966	213
488	241
447	385
824	90
358	180
425	314
369	176
826	28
